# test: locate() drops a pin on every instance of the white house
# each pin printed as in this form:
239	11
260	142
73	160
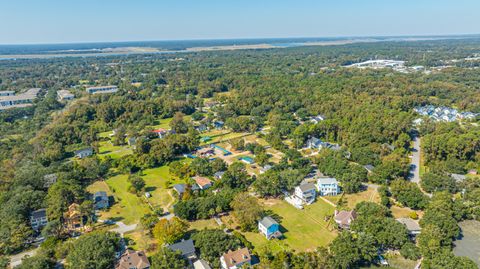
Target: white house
83	153
306	192
327	186
102	89
64	95
314	143
38	219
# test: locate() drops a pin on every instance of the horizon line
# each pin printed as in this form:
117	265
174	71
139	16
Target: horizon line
464	35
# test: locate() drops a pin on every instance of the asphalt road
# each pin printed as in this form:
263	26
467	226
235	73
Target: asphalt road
415	162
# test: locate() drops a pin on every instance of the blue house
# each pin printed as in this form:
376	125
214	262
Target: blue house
218	124
327	186
100	200
269	227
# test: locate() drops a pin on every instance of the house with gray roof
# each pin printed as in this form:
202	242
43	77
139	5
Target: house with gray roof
269	227
412	225
327	186
306	192
38	219
83	153
186	247
100	200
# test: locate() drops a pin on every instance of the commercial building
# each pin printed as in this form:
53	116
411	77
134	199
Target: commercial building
20	100
64	95
102	89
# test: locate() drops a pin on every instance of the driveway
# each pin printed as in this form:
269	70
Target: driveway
415	162
123	228
16	260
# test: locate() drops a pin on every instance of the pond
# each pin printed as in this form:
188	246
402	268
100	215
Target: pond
469	243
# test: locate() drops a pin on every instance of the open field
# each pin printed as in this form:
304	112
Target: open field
304	230
158	181
115	152
351	200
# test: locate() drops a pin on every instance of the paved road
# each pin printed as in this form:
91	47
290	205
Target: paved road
16	260
415	163
123	228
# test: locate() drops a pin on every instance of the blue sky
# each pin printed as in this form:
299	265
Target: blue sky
63	21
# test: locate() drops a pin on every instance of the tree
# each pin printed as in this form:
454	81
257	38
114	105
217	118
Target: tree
213	243
201	167
168	259
218	165
137	184
118	138
410	251
36	262
432	182
408	194
94	250
148	221
236	177
178	124
169	231
238	144
349	251
247	211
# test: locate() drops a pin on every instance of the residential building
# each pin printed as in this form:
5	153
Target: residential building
269	227
161	132
7	93
247	160
20	100
265	168
412	226
236	259
132	141
219	175
180	189
49	180
205	152
345	218
73	219
317	119
314	143
102	89
327	186
131	259
83	153
38	219
201	264
306	192
458	177
218	124
100	200
201	128
203	182
369	168
186	247
64	95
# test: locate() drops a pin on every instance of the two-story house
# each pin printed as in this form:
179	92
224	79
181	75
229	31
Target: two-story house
236	259
306	192
269	227
38	219
327	186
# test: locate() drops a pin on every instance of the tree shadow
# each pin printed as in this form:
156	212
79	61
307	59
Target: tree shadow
150	188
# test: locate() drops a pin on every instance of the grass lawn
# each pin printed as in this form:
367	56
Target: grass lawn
128	207
157	182
351	200
304	230
203	224
116	152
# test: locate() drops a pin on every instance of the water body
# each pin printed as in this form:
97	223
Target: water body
12	52
469	244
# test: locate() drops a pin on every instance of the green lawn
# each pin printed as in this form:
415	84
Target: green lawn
158	181
128	207
115	152
305	229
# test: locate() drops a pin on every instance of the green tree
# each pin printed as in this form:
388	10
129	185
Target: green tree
94	250
247	211
169	231
168	259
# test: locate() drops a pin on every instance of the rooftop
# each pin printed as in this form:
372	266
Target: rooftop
268	221
236	257
327	180
186	247
307	187
410	224
133	259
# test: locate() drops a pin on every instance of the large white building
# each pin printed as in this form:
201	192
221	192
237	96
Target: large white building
64	95
102	89
327	186
20	100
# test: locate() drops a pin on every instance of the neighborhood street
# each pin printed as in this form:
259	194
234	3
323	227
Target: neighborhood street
415	162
